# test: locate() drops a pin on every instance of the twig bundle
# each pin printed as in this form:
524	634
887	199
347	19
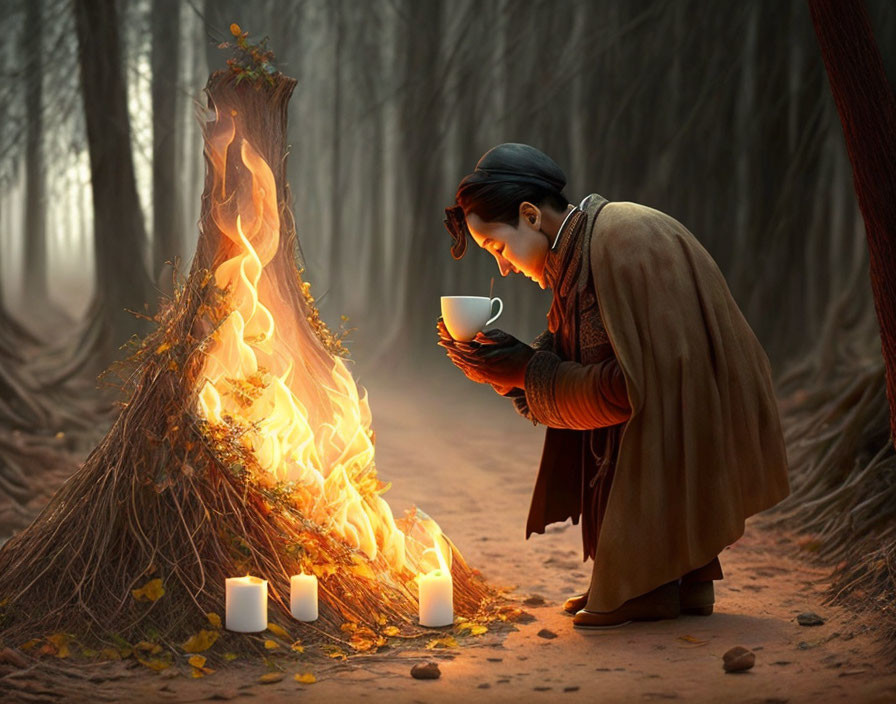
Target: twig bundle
169	496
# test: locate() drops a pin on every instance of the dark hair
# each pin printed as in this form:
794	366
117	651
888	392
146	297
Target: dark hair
505	176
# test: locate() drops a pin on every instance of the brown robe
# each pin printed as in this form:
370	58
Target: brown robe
663	429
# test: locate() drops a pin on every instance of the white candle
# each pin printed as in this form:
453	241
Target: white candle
436	595
246	610
303	597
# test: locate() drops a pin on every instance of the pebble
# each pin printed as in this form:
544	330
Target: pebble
809	618
534	600
738	659
426	671
545	633
574	688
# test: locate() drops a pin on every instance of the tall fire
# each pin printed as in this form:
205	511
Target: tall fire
245	447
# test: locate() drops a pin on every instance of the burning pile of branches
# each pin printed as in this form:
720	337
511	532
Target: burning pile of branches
245	447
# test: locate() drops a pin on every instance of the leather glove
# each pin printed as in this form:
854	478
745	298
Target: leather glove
493	357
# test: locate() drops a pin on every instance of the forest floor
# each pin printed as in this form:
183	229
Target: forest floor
460	453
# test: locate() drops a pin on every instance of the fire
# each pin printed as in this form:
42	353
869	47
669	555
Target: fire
306	421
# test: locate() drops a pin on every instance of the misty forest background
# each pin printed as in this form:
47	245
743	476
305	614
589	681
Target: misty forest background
719	114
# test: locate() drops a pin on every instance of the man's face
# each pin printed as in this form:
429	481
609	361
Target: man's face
522	249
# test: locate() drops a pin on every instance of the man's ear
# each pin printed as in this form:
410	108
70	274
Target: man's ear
531	213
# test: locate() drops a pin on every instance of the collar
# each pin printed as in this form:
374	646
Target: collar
562	252
560	232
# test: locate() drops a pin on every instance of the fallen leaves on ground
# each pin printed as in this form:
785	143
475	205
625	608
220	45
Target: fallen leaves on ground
214	619
200	642
475	629
151	591
442	642
271	644
270	678
305	678
279	631
334	651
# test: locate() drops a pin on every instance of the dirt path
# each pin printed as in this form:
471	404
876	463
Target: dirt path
461	454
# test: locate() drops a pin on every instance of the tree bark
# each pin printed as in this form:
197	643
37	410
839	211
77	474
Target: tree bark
121	279
35	230
167	235
867	109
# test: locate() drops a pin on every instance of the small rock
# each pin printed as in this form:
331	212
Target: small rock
574	688
426	671
485	685
738	659
495	659
545	633
809	618
534	600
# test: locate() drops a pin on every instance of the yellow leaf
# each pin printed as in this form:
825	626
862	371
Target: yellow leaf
147	647
29	645
278	631
477	629
230	657
164	347
197	660
270	677
110	654
391	631
306	678
334	651
200	641
156	664
60	644
271	645
151	591
214	619
297	647
196	673
691	639
442	642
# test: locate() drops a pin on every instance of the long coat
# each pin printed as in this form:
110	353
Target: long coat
700	449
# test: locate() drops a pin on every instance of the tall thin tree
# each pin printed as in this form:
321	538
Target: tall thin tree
122	283
167	235
35	227
867	109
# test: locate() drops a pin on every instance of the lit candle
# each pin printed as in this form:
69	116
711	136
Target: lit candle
303	597
246	609
436	595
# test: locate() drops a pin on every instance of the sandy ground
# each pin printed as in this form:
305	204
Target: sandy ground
462	454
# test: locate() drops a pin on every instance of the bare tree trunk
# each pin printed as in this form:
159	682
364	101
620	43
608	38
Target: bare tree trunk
167	235
867	109
35	230
122	283
336	235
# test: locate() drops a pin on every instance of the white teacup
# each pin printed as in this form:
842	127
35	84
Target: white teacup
465	316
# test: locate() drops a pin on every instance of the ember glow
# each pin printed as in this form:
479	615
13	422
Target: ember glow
307	423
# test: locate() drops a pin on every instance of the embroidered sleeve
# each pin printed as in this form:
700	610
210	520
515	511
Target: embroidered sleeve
563	394
545	341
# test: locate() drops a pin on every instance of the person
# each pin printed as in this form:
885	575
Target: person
663	433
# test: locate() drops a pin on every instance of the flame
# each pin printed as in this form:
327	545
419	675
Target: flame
306	421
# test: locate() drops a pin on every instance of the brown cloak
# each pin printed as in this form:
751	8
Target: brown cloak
702	449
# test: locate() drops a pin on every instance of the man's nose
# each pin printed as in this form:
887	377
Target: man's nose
503	266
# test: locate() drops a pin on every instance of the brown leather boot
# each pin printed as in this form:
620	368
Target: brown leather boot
697	598
575	603
657	604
